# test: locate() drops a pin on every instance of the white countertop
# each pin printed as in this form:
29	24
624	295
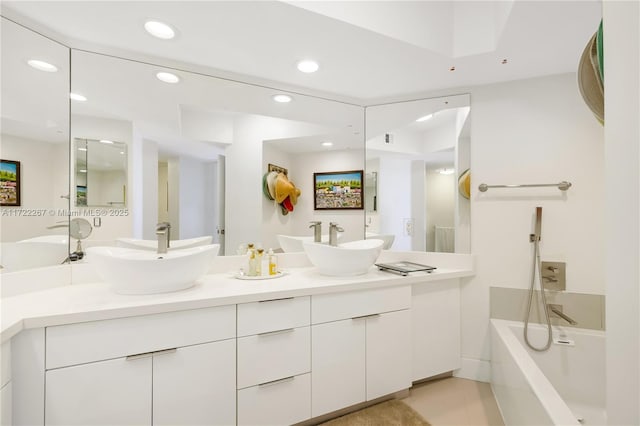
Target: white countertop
96	301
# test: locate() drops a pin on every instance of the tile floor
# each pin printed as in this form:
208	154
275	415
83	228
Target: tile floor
454	401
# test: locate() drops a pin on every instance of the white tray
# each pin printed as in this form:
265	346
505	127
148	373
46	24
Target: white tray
261	277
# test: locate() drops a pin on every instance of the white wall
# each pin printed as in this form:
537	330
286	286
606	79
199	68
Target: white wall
144	189
395	201
44	179
194	215
622	229
531	131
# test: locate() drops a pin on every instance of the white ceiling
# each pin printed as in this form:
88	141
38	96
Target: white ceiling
366	49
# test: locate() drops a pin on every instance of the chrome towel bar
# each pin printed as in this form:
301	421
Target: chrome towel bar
562	186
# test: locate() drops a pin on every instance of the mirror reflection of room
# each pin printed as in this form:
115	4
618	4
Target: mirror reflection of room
417	150
100	173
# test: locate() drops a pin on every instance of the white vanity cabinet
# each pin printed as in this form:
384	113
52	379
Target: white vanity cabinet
274	361
361	346
170	368
435	312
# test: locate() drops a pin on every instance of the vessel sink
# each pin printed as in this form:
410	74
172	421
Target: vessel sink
346	259
153	244
36	252
387	238
291	243
133	271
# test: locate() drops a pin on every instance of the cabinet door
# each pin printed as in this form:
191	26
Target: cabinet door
337	365
195	385
435	312
114	392
388	353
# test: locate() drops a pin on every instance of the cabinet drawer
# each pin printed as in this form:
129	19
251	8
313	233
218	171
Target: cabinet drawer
272	315
338	306
284	402
99	340
272	356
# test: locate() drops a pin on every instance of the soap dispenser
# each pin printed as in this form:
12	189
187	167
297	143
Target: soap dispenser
273	262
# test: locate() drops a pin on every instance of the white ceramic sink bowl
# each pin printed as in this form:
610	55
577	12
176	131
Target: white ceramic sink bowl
132	271
347	259
387	238
294	244
37	252
153	244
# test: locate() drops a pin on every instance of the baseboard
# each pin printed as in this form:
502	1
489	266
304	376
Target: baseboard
474	369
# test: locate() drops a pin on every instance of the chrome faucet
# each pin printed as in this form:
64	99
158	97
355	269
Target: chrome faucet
334	228
163	231
557	309
317	231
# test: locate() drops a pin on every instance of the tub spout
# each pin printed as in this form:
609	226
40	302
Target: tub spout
557	309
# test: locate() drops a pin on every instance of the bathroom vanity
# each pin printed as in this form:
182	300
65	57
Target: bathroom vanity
228	351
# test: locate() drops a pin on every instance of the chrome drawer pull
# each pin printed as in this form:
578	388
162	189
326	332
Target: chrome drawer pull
274	382
366	316
269	333
165	351
275	300
139	356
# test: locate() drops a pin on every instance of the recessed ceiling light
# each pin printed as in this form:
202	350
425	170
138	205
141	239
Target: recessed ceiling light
42	65
83	170
308	66
160	30
77	97
327	143
446	171
282	98
425	118
167	77
82	149
107	141
122	152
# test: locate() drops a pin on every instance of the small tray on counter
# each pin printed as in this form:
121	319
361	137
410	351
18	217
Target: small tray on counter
404	268
260	277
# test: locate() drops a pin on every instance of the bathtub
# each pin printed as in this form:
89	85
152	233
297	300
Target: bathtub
562	386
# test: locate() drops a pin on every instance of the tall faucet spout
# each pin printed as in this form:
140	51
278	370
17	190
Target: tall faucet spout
163	232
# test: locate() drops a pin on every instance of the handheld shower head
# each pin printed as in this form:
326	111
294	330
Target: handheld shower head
538	230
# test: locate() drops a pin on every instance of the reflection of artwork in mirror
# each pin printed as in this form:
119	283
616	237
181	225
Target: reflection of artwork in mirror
9	183
81	195
338	190
274	168
100	172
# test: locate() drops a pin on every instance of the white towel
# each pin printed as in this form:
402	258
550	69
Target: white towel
445	239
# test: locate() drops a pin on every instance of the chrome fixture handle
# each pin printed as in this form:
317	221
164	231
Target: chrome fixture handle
163	231
557	309
562	186
317	230
334	228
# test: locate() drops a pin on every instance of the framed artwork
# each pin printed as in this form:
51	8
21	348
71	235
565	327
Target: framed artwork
274	168
81	195
338	190
9	183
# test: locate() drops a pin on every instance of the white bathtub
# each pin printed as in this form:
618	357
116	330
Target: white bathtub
556	387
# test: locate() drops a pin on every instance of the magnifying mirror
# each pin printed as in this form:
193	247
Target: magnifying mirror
79	228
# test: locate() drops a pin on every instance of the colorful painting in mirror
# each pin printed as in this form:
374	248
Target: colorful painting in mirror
338	190
9	183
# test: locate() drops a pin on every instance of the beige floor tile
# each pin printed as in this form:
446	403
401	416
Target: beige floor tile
453	401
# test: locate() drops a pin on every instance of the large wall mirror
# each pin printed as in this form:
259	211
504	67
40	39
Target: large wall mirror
35	150
197	148
415	154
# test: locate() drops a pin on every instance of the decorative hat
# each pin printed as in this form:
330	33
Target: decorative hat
464	184
588	80
271	184
285	188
